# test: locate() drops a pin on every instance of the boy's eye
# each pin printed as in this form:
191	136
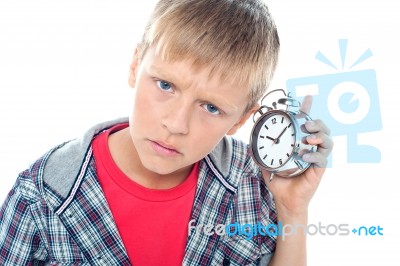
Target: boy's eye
164	85
211	109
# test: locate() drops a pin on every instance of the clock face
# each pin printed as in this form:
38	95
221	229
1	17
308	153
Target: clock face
273	139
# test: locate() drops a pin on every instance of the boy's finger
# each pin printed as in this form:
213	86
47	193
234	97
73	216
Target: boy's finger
318	159
317	125
306	104
324	142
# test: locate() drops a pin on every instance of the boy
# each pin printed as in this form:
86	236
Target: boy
131	191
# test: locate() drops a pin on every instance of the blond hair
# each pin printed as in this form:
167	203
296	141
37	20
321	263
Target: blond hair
234	38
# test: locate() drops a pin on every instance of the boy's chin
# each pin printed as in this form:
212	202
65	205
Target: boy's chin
168	169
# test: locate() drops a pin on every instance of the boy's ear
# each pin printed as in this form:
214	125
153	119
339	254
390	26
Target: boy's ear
133	68
243	120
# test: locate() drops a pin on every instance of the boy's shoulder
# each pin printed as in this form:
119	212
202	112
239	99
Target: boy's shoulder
59	167
64	162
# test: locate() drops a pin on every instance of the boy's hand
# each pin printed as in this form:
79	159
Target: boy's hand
293	194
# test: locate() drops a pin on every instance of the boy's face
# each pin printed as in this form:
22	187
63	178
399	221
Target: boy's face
180	114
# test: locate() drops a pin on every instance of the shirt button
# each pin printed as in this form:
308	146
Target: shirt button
226	262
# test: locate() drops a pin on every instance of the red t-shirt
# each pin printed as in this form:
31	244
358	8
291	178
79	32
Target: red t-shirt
152	223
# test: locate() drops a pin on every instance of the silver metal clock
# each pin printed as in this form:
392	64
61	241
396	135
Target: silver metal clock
277	141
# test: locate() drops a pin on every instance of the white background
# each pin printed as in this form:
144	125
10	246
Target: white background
64	67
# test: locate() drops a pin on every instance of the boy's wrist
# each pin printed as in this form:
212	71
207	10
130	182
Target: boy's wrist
291	243
292	216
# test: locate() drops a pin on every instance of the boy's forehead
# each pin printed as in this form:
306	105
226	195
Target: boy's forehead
161	63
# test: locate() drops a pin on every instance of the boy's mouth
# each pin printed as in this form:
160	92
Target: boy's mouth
164	148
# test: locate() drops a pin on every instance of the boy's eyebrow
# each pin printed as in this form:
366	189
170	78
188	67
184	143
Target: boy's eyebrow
219	102
159	71
224	104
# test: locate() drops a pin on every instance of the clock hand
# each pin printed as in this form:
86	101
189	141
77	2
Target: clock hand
268	137
280	135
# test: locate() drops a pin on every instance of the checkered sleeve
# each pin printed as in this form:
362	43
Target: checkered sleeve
19	238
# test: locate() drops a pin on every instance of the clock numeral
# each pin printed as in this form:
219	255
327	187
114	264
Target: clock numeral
282	120
265	156
266	127
262	147
289	125
262	137
272	162
287	154
274	121
280	161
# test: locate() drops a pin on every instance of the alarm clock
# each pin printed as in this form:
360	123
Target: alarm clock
278	138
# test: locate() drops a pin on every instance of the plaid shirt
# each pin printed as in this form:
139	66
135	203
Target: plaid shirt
56	213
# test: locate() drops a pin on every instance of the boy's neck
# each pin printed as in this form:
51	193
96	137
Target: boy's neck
125	156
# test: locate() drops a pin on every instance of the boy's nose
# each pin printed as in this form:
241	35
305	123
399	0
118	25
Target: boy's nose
176	121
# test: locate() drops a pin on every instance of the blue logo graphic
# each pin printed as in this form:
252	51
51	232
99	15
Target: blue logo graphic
368	231
348	102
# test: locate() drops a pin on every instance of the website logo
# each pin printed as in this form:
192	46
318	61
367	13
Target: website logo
347	101
249	231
